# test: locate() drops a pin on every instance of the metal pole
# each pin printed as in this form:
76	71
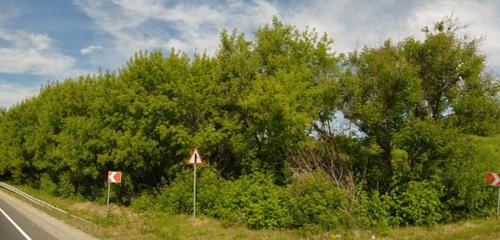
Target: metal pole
194	191
498	202
107	203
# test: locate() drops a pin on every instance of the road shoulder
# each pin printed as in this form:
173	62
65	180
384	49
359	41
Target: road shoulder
54	227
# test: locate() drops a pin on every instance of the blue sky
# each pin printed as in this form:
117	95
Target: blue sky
51	40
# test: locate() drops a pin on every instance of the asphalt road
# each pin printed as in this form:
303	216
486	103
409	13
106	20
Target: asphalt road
20	220
26	228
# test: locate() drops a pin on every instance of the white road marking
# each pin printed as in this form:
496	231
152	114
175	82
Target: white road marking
15	225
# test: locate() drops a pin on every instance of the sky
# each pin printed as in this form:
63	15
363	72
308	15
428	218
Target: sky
51	40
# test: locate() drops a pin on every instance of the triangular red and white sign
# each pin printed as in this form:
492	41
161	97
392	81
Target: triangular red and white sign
195	158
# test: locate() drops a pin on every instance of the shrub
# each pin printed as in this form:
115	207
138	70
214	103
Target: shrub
267	207
434	150
415	203
256	201
65	187
143	202
315	200
253	200
309	201
209	191
47	184
177	197
372	210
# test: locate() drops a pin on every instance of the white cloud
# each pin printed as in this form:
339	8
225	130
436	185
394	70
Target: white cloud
481	17
31	53
21	39
355	24
352	24
186	26
89	49
32	61
12	93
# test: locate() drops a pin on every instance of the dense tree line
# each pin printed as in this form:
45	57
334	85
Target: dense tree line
265	107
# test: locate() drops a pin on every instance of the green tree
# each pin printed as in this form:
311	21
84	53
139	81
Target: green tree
381	89
448	65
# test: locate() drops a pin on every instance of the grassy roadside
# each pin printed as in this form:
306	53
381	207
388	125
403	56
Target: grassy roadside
128	224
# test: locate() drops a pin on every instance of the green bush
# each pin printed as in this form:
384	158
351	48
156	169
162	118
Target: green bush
309	201
253	200
65	186
208	191
256	201
47	184
178	196
315	200
415	203
372	210
143	202
427	149
466	195
230	206
266	205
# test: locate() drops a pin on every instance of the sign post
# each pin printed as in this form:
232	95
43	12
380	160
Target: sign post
107	202
194	160
493	179
194	191
113	177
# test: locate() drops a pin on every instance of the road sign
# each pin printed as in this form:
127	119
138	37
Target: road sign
493	179
114	177
195	158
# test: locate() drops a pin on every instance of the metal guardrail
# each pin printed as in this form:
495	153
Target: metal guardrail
39	202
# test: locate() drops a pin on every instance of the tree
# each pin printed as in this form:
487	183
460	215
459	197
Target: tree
447	65
293	70
381	89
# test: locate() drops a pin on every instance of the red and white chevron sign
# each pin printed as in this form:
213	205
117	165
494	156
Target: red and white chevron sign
114	177
493	179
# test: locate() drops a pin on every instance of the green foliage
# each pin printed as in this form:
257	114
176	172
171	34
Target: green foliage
178	196
254	200
143	203
415	203
439	80
47	184
429	148
448	66
264	204
477	114
434	151
381	89
468	193
408	105
245	108
314	200
373	210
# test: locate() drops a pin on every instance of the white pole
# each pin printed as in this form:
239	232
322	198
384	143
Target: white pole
107	203
498	202
194	190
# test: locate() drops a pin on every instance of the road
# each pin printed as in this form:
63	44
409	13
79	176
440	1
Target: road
21	221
